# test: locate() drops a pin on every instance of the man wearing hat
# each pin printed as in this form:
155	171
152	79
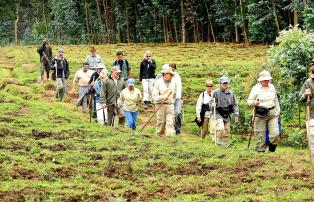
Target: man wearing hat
308	90
110	93
93	59
264	98
45	55
225	105
81	78
61	73
131	98
164	97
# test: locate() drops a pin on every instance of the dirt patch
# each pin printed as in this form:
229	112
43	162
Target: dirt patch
63	172
6	119
38	134
7	132
130	195
121	158
29	66
118	170
299	174
96	157
56	147
195	168
18	172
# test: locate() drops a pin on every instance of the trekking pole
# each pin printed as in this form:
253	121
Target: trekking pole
151	117
91	102
154	112
308	131
215	121
252	127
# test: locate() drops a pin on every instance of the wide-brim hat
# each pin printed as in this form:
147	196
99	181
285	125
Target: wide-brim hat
264	76
100	66
166	69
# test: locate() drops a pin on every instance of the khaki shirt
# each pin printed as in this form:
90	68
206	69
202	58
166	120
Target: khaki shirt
130	99
162	88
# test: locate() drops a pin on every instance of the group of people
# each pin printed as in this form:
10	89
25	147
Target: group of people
114	94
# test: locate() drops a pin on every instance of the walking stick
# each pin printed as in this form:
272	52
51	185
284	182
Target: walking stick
215	121
252	127
91	102
308	131
154	113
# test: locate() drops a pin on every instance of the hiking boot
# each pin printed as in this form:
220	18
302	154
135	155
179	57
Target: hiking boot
145	104
149	103
178	132
272	147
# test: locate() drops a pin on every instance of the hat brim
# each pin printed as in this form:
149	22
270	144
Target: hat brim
265	78
167	72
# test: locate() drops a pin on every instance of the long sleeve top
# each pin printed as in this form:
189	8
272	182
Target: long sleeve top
130	99
177	79
147	69
267	97
93	61
163	88
204	98
308	84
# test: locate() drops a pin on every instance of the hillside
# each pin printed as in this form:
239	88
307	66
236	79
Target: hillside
49	151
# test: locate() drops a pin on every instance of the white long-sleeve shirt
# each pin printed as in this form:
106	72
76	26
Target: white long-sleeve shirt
208	99
267	96
177	79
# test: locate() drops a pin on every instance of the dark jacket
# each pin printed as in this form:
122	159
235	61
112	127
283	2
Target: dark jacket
147	70
94	77
62	68
44	49
110	92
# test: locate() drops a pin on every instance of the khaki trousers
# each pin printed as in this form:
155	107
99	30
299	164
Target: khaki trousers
269	122
212	125
165	119
312	136
223	131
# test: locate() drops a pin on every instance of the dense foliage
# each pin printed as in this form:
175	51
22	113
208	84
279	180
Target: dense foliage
114	21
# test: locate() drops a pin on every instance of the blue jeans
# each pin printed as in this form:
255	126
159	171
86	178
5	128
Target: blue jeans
131	119
178	114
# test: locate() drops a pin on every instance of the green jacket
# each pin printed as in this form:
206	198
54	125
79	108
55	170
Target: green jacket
110	92
309	83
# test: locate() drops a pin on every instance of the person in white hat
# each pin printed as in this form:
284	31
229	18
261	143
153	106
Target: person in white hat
264	98
308	90
61	73
164	97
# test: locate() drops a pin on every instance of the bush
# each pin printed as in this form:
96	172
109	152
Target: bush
295	138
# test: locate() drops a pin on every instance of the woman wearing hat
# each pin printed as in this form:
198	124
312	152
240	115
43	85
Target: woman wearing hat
264	98
131	97
203	112
308	90
164	98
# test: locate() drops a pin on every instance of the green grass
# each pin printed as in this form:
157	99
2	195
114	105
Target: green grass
49	151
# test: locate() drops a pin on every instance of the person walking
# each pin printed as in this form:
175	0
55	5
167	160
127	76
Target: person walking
94	59
109	94
101	113
204	114
61	73
164	97
123	64
307	90
81	78
131	97
178	101
225	104
147	77
45	55
264	98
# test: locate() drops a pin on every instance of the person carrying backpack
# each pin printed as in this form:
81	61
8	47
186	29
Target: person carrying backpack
123	64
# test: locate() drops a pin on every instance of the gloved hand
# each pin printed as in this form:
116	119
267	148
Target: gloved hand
119	103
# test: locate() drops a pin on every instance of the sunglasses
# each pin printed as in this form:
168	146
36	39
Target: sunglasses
209	86
148	56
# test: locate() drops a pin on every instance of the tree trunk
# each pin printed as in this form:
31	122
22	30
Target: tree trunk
100	37
210	26
295	17
87	23
275	15
245	30
45	19
236	30
127	22
183	22
16	24
175	29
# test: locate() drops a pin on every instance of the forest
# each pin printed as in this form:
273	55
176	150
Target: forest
150	21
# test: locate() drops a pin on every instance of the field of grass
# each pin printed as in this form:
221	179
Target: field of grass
50	152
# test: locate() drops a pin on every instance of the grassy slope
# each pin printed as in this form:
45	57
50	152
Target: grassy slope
49	151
